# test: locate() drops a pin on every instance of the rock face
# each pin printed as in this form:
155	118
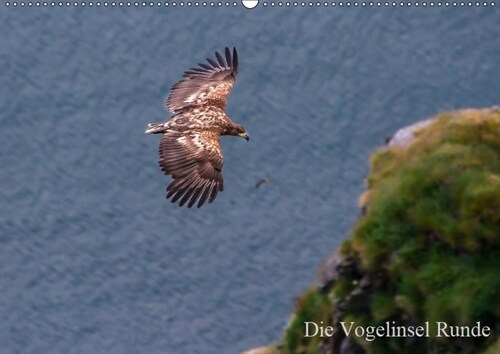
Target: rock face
263	350
425	251
404	136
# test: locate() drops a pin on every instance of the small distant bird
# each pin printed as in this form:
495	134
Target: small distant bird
262	182
190	148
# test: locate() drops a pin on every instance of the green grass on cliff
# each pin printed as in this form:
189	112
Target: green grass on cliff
311	307
430	234
432	225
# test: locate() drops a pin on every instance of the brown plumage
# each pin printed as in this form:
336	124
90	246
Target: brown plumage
262	182
190	148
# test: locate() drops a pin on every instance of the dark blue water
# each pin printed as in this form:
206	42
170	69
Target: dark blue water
95	260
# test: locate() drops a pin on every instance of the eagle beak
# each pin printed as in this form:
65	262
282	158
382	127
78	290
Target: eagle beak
244	136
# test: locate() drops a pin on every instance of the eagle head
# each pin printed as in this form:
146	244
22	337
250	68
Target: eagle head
237	130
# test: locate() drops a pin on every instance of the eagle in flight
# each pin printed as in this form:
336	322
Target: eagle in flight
190	148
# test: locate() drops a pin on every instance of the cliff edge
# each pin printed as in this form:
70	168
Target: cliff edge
419	270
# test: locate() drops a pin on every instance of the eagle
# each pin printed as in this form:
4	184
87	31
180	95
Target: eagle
190	149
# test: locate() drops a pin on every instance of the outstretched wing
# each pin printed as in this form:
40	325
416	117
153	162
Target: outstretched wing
206	84
194	159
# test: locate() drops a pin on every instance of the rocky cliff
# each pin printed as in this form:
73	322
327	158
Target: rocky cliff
425	252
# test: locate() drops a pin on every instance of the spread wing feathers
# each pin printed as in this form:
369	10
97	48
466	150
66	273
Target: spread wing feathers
206	84
195	162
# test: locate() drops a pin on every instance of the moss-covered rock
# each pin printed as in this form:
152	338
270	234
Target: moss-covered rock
425	250
315	307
